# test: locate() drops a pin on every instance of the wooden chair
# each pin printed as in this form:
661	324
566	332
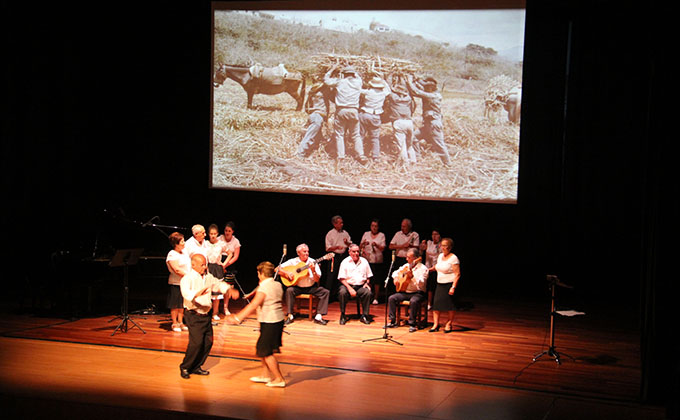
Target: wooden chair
305	301
421	316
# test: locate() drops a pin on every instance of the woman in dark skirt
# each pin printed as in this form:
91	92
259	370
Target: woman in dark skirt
178	264
448	274
267	302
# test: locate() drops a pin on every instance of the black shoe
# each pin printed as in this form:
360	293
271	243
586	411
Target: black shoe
184	373
201	371
391	325
434	329
320	321
343	320
289	320
364	320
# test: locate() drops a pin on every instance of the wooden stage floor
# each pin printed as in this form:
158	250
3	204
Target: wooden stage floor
483	369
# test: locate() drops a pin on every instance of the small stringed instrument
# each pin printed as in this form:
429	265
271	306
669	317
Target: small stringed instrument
300	270
404	276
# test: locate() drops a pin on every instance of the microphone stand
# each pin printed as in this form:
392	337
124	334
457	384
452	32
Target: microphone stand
276	273
386	336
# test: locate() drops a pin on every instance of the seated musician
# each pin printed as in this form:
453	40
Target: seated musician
411	279
306	284
354	276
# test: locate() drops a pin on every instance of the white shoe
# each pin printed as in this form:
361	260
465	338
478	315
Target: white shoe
176	328
281	384
184	327
226	312
260	379
375	301
216	318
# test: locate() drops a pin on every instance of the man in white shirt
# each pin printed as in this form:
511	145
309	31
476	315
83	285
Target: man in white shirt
415	274
197	243
354	276
337	241
307	283
404	240
197	287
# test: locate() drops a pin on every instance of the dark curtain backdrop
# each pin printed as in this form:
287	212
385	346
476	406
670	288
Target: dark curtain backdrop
106	123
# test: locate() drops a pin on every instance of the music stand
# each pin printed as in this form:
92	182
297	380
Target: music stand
125	258
552	352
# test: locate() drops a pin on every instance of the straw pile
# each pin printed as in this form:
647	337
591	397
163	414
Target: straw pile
364	64
495	93
256	149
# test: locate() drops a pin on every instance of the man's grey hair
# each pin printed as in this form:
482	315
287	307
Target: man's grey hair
197	228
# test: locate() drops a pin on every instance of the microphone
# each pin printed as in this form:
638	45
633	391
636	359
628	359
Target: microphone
393	254
285	249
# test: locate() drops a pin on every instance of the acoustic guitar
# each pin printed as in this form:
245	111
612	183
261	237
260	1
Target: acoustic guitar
300	270
404	276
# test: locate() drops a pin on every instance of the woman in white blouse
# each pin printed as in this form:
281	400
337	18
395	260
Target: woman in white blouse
448	274
178	265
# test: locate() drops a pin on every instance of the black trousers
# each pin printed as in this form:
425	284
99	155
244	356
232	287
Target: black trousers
364	295
200	340
315	290
415	300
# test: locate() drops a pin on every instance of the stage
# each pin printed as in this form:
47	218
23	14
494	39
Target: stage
483	369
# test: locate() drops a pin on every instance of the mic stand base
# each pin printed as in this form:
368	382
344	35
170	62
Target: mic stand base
552	353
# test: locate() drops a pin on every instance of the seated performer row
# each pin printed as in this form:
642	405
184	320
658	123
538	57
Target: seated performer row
303	273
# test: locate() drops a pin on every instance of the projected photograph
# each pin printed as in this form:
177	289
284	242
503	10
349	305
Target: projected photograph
397	104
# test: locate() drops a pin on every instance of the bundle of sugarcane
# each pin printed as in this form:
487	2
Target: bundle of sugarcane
496	91
365	65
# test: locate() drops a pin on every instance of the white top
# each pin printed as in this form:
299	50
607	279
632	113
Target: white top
444	268
308	280
214	251
356	274
373	254
271	310
431	253
191	247
412	238
419	280
230	246
335	238
184	262
192	283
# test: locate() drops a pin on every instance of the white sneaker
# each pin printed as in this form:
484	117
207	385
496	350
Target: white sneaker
216	318
176	328
226	312
260	379
281	384
375	301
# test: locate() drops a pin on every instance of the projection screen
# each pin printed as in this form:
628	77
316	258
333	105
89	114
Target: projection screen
449	124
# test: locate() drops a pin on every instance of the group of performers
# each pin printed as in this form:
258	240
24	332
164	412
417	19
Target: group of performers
362	106
200	279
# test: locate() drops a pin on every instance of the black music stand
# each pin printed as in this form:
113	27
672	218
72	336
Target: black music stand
552	352
125	258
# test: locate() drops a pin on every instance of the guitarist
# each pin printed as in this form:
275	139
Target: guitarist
415	291
308	284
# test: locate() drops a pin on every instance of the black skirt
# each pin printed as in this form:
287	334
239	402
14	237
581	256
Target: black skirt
443	301
175	299
270	339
